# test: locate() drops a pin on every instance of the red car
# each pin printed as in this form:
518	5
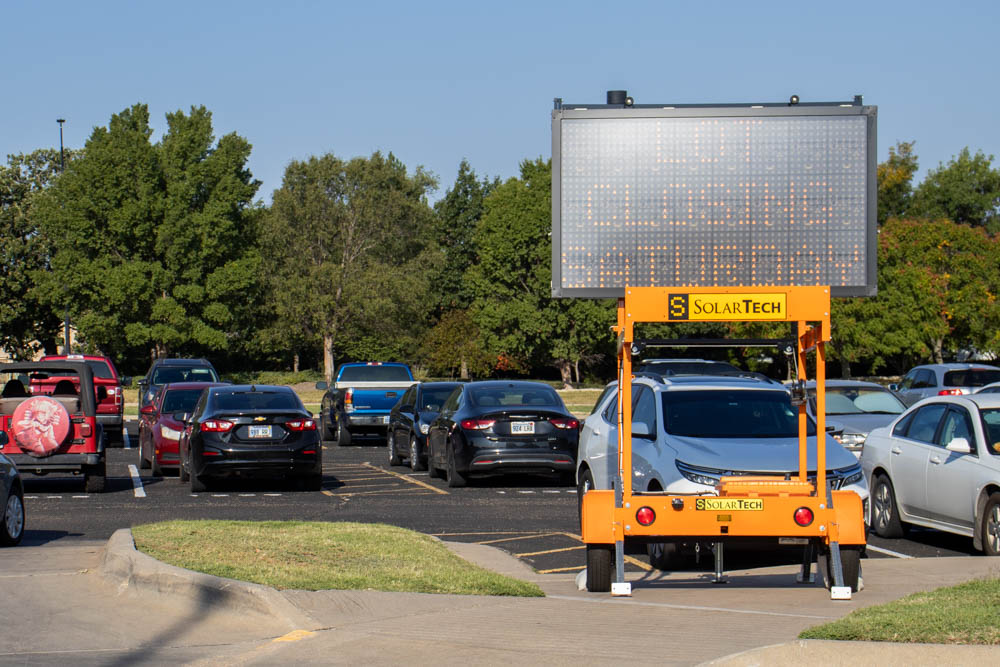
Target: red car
160	424
107	386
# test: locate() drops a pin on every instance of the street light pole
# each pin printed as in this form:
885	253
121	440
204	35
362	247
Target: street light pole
62	168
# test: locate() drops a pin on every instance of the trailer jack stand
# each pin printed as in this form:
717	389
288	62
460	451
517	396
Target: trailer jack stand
718	577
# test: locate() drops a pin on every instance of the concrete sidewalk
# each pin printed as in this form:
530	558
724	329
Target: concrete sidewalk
676	619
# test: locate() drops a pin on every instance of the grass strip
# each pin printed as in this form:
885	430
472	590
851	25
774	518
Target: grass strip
313	555
965	614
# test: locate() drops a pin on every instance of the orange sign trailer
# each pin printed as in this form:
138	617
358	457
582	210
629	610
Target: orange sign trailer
767	507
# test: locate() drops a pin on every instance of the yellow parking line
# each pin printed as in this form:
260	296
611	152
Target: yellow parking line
294	636
348	494
410	480
556	570
551	551
523	536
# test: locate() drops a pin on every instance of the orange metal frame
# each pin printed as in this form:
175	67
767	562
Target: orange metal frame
683	516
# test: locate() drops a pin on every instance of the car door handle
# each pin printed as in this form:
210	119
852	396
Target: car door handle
935	460
896	450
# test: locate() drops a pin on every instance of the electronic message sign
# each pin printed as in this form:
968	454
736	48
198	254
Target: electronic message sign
726	196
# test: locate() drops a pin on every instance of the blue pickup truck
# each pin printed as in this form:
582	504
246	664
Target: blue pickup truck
360	400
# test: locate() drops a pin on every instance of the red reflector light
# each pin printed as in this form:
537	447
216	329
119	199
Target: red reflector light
478	424
645	516
209	452
803	516
85	430
301	425
950	392
308	451
564	422
216	426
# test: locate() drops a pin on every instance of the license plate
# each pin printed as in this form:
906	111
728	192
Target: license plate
260	431
729	504
522	428
793	540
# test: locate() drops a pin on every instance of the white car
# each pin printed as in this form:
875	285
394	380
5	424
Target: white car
688	431
938	466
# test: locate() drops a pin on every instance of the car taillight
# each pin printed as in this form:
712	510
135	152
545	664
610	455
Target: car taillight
950	392
645	516
301	425
349	400
216	426
563	422
477	424
803	516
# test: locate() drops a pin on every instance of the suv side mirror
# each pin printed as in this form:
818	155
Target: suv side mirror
894	387
322	386
182	417
642	430
959	446
147	409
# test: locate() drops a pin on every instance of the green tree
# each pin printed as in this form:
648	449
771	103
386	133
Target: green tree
457	214
453	347
347	253
895	181
151	248
966	191
523	327
25	251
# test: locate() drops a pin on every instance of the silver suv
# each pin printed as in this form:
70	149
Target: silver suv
689	431
944	380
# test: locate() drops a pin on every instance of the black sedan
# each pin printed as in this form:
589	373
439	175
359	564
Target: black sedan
250	431
12	499
411	418
496	427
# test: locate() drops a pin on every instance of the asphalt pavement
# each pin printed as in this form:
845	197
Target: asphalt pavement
89	603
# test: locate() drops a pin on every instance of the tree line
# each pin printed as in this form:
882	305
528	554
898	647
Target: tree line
161	248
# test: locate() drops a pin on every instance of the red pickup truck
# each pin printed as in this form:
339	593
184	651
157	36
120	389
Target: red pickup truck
107	388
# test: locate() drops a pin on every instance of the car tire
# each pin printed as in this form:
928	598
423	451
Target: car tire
325	433
432	470
154	466
991	525
343	436
885	512
390	443
585	484
454	478
12	523
95	477
199	484
182	472
416	461
144	463
850	563
666	556
599	563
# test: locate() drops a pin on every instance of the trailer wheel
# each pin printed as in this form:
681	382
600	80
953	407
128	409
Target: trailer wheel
850	561
665	556
599	563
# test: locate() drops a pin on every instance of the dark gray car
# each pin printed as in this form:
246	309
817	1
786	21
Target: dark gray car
12	496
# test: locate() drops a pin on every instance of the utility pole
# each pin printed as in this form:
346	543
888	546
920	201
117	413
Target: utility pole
62	168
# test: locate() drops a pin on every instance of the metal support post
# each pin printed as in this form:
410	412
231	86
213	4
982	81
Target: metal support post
718	578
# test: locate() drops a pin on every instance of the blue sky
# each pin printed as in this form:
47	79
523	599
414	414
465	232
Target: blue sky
435	82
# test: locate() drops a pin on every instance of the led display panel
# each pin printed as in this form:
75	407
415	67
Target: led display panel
715	196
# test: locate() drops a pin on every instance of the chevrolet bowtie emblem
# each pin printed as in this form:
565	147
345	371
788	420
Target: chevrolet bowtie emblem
259	419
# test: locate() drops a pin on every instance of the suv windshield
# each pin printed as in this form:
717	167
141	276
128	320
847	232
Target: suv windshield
167	374
972	377
731	413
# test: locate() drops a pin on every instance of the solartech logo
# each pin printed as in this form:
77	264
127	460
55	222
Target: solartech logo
694	307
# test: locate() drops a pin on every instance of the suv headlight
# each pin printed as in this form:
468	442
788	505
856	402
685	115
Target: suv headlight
851	475
424	428
852	440
696	477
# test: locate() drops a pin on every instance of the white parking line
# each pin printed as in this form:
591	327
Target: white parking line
126	439
887	552
136	482
80	496
53	496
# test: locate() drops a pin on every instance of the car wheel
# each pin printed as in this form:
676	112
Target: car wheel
343	435
198	484
665	556
585	484
12	526
432	470
885	512
143	461
850	563
599	568
390	444
94	478
454	478
182	471
324	428
416	464
991	526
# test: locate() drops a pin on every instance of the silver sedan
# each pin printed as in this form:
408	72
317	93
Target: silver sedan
938	466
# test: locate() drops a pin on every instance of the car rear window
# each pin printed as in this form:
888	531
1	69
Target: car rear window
180	400
731	414
257	400
374	374
488	397
971	377
100	369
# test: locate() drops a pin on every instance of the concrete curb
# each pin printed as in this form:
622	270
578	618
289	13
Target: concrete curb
130	570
